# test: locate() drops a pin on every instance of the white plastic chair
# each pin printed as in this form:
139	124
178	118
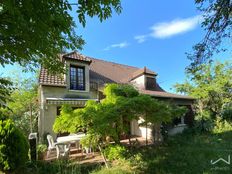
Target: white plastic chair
51	145
63	150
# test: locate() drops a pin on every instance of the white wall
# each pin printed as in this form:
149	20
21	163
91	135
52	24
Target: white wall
139	82
48	113
140	130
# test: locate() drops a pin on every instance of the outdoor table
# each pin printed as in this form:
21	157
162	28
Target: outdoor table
70	138
65	142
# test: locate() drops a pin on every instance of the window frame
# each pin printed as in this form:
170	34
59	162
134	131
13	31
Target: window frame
77	78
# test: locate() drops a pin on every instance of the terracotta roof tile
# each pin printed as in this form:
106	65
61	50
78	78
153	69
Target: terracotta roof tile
164	94
107	72
50	79
76	56
142	71
118	73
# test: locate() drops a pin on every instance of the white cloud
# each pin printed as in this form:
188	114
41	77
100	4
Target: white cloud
141	38
118	45
174	27
168	29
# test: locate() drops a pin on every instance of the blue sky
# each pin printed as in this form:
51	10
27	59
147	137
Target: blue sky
165	31
155	34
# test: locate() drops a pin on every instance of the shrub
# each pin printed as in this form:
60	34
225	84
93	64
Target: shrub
115	152
13	145
204	125
227	112
222	126
114	170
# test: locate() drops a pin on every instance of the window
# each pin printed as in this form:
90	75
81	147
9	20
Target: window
150	83
178	121
77	78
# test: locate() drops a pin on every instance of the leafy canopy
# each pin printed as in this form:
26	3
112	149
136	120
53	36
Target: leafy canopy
217	22
23	106
34	32
5	91
111	116
211	85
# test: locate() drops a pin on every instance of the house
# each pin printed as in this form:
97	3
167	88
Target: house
84	80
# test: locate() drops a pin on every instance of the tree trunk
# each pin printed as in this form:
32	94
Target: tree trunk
146	128
31	118
103	156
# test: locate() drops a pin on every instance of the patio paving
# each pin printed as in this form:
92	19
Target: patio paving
77	155
95	157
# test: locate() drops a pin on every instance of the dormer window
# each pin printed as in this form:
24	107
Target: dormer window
77	78
150	83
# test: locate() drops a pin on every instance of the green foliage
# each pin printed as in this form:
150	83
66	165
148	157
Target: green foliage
57	167
63	122
5	91
115	152
13	146
35	33
117	169
115	90
23	106
216	20
222	126
90	140
211	86
227	112
41	148
121	105
204	125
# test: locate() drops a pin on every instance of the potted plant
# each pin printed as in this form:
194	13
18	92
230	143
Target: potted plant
41	151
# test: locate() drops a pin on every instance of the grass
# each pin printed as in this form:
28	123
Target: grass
188	153
57	167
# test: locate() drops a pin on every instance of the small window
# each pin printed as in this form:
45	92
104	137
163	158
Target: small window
150	83
77	78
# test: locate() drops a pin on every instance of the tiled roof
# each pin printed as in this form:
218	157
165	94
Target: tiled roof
50	79
107	72
76	56
117	73
142	71
164	94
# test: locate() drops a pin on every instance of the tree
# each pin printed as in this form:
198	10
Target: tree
217	22
109	118
23	106
35	32
5	91
13	145
211	85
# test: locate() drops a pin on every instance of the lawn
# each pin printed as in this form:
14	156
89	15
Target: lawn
189	153
184	153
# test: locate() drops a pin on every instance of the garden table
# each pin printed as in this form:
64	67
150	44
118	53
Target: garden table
63	143
70	138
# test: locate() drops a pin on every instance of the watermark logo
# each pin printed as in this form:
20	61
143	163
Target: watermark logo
227	161
221	160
